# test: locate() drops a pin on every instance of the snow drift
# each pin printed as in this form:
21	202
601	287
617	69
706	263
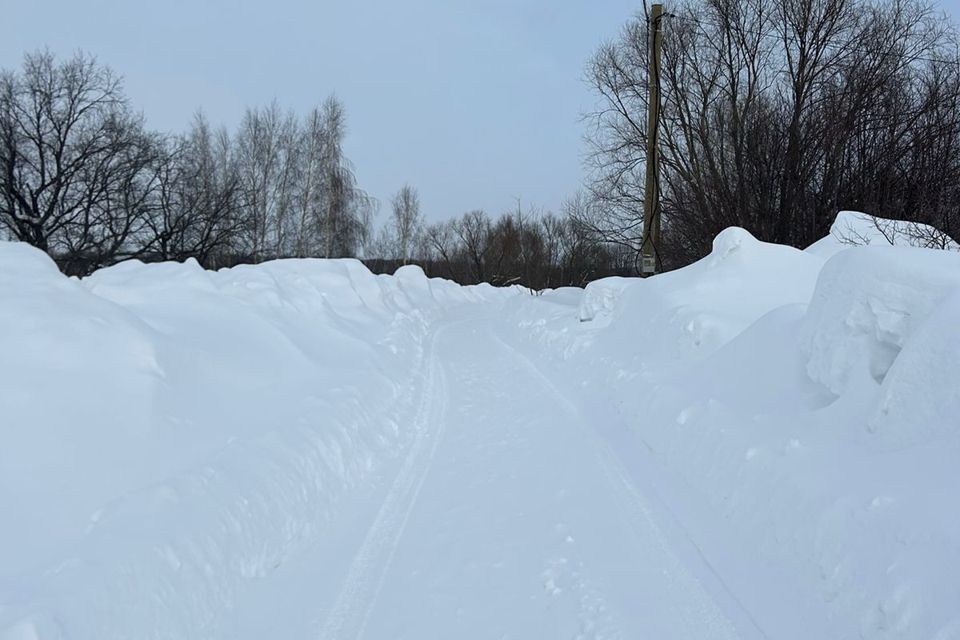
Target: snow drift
694	311
853	228
170	436
170	433
801	412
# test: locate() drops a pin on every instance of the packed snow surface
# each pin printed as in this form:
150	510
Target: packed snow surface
764	444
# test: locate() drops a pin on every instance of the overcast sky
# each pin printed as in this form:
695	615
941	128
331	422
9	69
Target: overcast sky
474	102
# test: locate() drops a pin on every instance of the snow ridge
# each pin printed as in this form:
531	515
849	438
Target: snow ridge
801	408
203	429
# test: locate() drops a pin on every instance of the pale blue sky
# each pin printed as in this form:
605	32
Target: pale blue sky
475	102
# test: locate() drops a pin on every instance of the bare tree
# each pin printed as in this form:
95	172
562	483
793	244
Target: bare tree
406	222
82	179
266	144
473	232
197	212
525	246
75	177
776	114
315	149
347	211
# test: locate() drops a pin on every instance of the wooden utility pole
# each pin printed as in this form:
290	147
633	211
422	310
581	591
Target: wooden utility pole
650	259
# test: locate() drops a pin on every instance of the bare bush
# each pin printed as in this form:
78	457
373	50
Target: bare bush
777	114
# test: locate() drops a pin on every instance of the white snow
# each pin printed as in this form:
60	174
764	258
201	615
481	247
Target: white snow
694	311
855	228
920	395
169	434
802	421
867	305
761	445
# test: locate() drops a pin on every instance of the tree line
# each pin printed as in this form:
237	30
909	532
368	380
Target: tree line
531	247
84	179
775	115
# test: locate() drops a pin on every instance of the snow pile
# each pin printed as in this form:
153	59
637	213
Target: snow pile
883	315
691	312
600	298
868	303
783	424
170	434
798	416
854	228
920	396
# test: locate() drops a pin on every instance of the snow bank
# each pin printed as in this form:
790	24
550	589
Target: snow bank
169	434
854	228
920	397
600	298
693	311
867	304
797	412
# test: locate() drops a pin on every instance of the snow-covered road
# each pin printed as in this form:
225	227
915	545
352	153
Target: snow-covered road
760	445
508	517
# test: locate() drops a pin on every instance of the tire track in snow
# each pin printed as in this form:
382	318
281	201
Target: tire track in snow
358	595
644	522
